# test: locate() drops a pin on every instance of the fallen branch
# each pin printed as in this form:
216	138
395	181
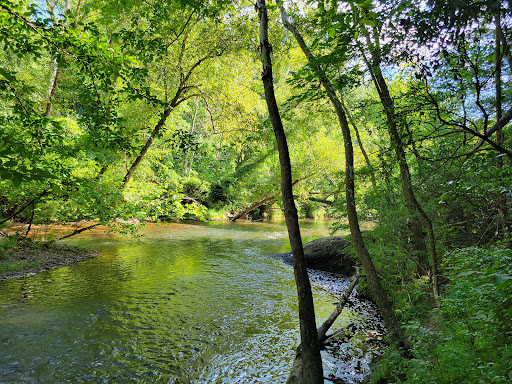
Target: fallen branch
322	330
255	205
77	231
265	200
188	198
349	331
296	372
322	201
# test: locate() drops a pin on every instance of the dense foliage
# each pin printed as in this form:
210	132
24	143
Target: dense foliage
155	110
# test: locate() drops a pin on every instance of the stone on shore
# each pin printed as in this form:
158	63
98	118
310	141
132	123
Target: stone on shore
330	254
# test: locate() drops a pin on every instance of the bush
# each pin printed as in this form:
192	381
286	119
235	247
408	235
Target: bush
467	338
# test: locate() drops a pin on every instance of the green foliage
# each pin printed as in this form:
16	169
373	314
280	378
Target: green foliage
9	267
196	188
409	293
467	339
7	243
122	64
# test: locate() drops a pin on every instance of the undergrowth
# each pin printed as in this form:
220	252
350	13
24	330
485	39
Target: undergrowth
467	337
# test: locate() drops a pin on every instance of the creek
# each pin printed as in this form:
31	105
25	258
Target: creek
186	303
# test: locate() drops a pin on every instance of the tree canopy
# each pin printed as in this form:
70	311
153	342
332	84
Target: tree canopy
150	111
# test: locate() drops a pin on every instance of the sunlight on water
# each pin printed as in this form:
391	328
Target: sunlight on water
187	303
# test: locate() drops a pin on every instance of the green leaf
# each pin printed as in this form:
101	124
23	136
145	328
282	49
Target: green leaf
502	280
371	23
16	179
332	33
7	75
56	188
467	273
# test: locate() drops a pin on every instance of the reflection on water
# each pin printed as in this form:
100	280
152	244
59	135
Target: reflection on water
188	303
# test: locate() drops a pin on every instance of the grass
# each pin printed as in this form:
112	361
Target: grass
6	266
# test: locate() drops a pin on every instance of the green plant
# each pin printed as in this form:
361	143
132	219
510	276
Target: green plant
7	243
467	338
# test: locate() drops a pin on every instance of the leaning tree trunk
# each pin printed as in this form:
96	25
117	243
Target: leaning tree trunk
405	176
296	373
312	367
369	165
263	201
180	96
380	296
142	153
500	139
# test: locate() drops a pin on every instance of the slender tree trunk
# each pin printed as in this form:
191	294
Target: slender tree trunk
410	198
312	367
53	88
380	296
180	96
360	144
31	219
190	164
188	149
500	139
296	372
156	130
405	176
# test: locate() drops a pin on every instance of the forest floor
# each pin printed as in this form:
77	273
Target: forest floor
19	257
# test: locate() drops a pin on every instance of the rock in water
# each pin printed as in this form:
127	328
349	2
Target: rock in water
331	254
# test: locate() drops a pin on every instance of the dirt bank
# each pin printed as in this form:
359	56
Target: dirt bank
19	257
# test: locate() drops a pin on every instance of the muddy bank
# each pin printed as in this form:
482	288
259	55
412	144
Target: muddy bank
25	257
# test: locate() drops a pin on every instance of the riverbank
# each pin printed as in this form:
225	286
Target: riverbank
21	257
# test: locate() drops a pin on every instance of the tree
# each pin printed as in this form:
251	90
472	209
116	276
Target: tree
177	54
312	369
357	238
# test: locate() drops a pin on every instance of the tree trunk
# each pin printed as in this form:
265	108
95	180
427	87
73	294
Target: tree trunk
296	372
360	144
384	305
500	139
412	204
146	146
187	165
56	69
180	96
405	176
312	367
53	88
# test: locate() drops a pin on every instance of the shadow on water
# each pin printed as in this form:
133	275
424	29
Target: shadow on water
188	303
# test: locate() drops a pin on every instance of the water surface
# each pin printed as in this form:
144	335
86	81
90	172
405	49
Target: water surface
186	303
